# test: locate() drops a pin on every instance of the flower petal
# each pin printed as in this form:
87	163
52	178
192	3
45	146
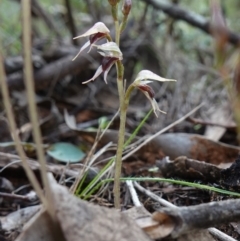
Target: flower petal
154	105
146	75
110	49
148	89
83	47
95	37
97	73
106	71
108	61
98	27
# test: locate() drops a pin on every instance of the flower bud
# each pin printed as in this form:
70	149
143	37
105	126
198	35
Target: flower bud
126	7
113	2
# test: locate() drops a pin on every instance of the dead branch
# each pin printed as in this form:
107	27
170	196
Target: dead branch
189	236
51	72
187	219
13	161
14	64
192	18
186	168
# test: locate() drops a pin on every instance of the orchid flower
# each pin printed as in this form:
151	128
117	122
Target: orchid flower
111	53
145	77
96	32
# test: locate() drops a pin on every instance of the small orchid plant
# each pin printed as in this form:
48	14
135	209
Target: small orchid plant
112	55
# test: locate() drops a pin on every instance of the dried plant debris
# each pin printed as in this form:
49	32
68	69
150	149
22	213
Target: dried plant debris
189	219
230	178
78	218
16	220
180	144
189	169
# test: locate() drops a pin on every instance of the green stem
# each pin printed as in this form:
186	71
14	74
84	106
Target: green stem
123	24
116	22
121	134
123	112
117	33
115	12
124	101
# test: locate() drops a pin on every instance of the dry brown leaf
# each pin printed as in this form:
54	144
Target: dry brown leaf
154	229
78	218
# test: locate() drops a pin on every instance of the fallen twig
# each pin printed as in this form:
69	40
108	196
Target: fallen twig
44	77
202	216
215	232
133	193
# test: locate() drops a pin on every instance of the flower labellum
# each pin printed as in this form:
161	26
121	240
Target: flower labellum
95	33
106	65
149	93
143	78
147	89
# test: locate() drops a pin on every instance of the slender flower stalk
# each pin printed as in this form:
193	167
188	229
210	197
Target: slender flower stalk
121	134
123	112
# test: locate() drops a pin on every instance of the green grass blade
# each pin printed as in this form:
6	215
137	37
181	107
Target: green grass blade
179	182
84	193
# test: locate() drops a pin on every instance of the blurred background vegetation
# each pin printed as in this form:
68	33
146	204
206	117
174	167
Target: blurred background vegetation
152	40
86	11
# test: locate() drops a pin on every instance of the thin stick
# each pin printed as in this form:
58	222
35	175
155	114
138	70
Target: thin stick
220	235
153	196
133	193
13	129
29	82
15	196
